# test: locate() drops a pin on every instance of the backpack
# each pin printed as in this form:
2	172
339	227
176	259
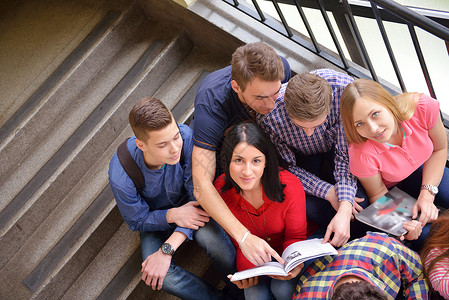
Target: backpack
131	168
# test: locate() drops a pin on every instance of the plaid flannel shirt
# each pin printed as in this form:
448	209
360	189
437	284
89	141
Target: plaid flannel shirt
376	258
287	136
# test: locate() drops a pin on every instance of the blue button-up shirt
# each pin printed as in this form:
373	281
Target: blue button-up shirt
168	187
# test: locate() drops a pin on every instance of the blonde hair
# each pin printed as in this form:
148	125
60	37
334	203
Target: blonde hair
402	106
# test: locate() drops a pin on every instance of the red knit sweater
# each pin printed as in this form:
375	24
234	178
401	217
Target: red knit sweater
285	223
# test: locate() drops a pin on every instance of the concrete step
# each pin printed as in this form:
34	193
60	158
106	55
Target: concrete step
67	89
177	92
46	177
72	181
61	234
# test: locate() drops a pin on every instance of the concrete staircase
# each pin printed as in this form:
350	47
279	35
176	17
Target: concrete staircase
61	234
64	111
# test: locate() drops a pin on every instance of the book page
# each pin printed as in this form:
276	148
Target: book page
269	268
299	252
293	255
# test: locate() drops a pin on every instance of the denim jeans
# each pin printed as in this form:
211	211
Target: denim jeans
318	210
183	284
268	288
412	186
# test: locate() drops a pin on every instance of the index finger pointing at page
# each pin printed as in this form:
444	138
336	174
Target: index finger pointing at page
276	256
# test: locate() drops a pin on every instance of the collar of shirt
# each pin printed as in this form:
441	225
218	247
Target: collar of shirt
361	273
382	147
246	206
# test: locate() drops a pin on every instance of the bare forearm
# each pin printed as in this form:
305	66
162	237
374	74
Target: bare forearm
212	202
176	239
433	168
203	171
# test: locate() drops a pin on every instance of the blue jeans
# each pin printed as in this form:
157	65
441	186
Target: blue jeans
268	288
412	186
319	210
183	284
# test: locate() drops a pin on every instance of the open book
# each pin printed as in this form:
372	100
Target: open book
389	212
293	255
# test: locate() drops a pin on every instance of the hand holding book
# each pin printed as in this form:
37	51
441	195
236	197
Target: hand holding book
293	256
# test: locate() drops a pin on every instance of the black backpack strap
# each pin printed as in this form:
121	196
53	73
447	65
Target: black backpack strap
181	160
130	166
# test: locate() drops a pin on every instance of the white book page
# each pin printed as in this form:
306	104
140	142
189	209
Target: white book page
269	268
301	251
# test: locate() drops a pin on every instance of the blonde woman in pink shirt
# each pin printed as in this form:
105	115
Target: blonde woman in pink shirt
435	256
398	141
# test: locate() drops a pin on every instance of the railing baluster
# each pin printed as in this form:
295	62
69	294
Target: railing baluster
332	33
388	46
421	59
359	39
393	12
281	15
309	29
259	11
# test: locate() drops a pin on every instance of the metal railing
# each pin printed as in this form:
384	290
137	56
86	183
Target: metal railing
344	12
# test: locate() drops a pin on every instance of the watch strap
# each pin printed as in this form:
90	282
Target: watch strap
433	189
166	248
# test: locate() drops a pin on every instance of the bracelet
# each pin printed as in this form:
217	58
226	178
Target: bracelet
244	238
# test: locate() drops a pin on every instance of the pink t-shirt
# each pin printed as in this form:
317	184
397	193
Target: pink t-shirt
395	163
439	275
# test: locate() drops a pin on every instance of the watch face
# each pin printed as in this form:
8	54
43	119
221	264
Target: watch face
167	248
434	189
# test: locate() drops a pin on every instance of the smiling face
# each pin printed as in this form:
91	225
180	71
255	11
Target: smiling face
259	95
247	166
373	121
162	147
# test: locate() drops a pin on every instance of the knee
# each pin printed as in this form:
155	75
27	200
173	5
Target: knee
283	289
212	235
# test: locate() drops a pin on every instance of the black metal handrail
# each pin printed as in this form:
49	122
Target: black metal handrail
344	11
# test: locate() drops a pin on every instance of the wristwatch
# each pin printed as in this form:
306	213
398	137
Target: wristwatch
431	188
166	248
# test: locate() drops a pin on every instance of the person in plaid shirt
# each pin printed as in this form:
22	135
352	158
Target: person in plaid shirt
380	260
306	127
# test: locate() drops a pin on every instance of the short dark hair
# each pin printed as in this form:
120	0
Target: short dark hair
256	60
360	290
253	135
149	114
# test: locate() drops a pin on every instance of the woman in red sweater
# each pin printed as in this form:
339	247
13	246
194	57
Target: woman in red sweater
268	201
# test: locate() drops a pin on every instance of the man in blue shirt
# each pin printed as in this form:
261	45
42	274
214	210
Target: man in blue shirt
227	97
165	212
306	127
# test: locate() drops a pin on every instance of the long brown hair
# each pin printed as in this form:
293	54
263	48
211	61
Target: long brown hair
438	238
